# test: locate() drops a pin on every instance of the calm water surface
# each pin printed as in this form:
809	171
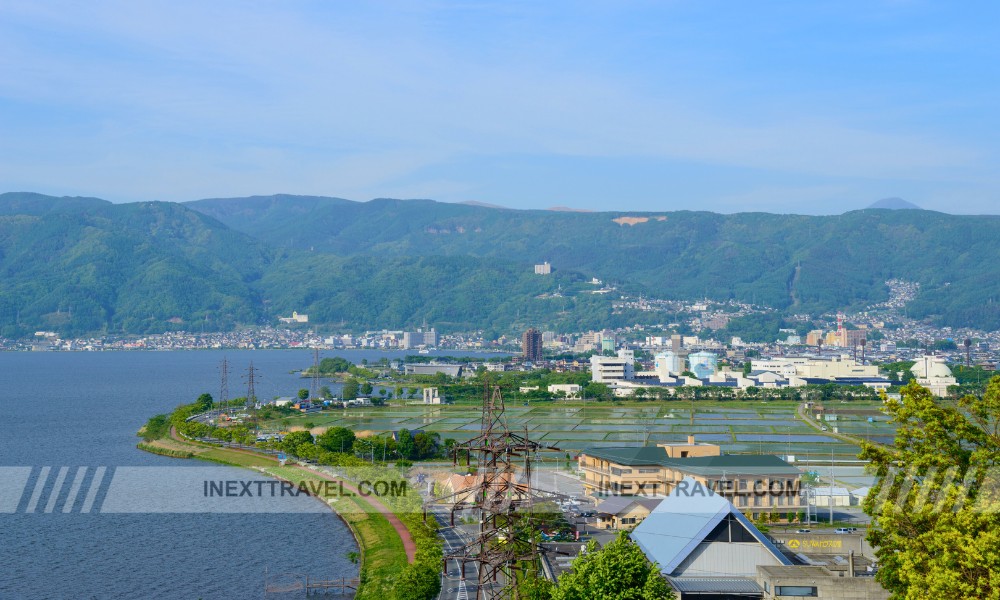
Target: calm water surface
83	409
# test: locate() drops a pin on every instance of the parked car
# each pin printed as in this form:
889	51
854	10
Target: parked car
803	531
843	530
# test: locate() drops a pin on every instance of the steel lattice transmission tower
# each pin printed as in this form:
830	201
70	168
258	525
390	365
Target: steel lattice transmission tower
314	385
251	392
223	384
503	498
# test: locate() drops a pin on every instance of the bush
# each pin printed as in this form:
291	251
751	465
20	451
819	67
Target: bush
156	428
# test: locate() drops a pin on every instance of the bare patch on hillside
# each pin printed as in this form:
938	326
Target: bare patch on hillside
631	221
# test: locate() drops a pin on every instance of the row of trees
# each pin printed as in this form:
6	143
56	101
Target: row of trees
341	440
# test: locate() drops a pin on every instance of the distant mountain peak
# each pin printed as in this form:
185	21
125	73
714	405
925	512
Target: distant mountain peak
894	204
568	209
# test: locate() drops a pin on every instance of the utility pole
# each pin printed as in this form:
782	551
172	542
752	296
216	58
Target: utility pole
831	485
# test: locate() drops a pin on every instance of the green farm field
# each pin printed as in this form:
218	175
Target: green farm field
740	428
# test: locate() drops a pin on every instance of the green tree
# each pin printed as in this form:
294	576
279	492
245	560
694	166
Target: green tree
599	391
336	439
334	365
404	444
935	517
425	445
303	394
203	403
350	389
366	388
295	439
157	427
325	393
419	581
618	571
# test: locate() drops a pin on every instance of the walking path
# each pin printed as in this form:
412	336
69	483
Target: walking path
404	534
401	530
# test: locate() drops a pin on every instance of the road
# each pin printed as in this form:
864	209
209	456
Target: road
803	414
452	586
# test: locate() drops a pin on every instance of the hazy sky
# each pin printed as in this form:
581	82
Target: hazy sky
797	106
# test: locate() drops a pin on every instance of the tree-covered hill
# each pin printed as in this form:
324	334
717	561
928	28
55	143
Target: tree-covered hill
124	268
79	265
452	293
792	262
30	203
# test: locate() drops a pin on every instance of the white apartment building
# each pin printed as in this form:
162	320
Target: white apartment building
611	369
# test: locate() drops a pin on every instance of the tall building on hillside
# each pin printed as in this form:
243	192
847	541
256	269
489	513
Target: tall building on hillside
531	343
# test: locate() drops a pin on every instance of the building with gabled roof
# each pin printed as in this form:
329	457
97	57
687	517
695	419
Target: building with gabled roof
624	512
704	546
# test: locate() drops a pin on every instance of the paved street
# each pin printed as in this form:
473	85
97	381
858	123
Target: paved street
452	585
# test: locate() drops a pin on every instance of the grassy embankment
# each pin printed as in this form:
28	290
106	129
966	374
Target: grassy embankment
382	554
382	558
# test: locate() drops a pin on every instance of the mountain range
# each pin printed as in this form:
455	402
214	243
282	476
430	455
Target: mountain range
81	265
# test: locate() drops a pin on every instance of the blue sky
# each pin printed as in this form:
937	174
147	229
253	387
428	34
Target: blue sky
803	107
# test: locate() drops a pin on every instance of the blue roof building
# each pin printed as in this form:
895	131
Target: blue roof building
704	545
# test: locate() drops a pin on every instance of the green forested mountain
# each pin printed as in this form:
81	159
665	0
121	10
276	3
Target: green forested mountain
125	267
454	293
80	265
792	262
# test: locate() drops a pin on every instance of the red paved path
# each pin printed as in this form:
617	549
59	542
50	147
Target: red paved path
404	534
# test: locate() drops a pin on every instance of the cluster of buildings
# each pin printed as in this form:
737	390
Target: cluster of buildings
691	509
673	369
708	549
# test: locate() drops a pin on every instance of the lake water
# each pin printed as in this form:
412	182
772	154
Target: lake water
82	410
